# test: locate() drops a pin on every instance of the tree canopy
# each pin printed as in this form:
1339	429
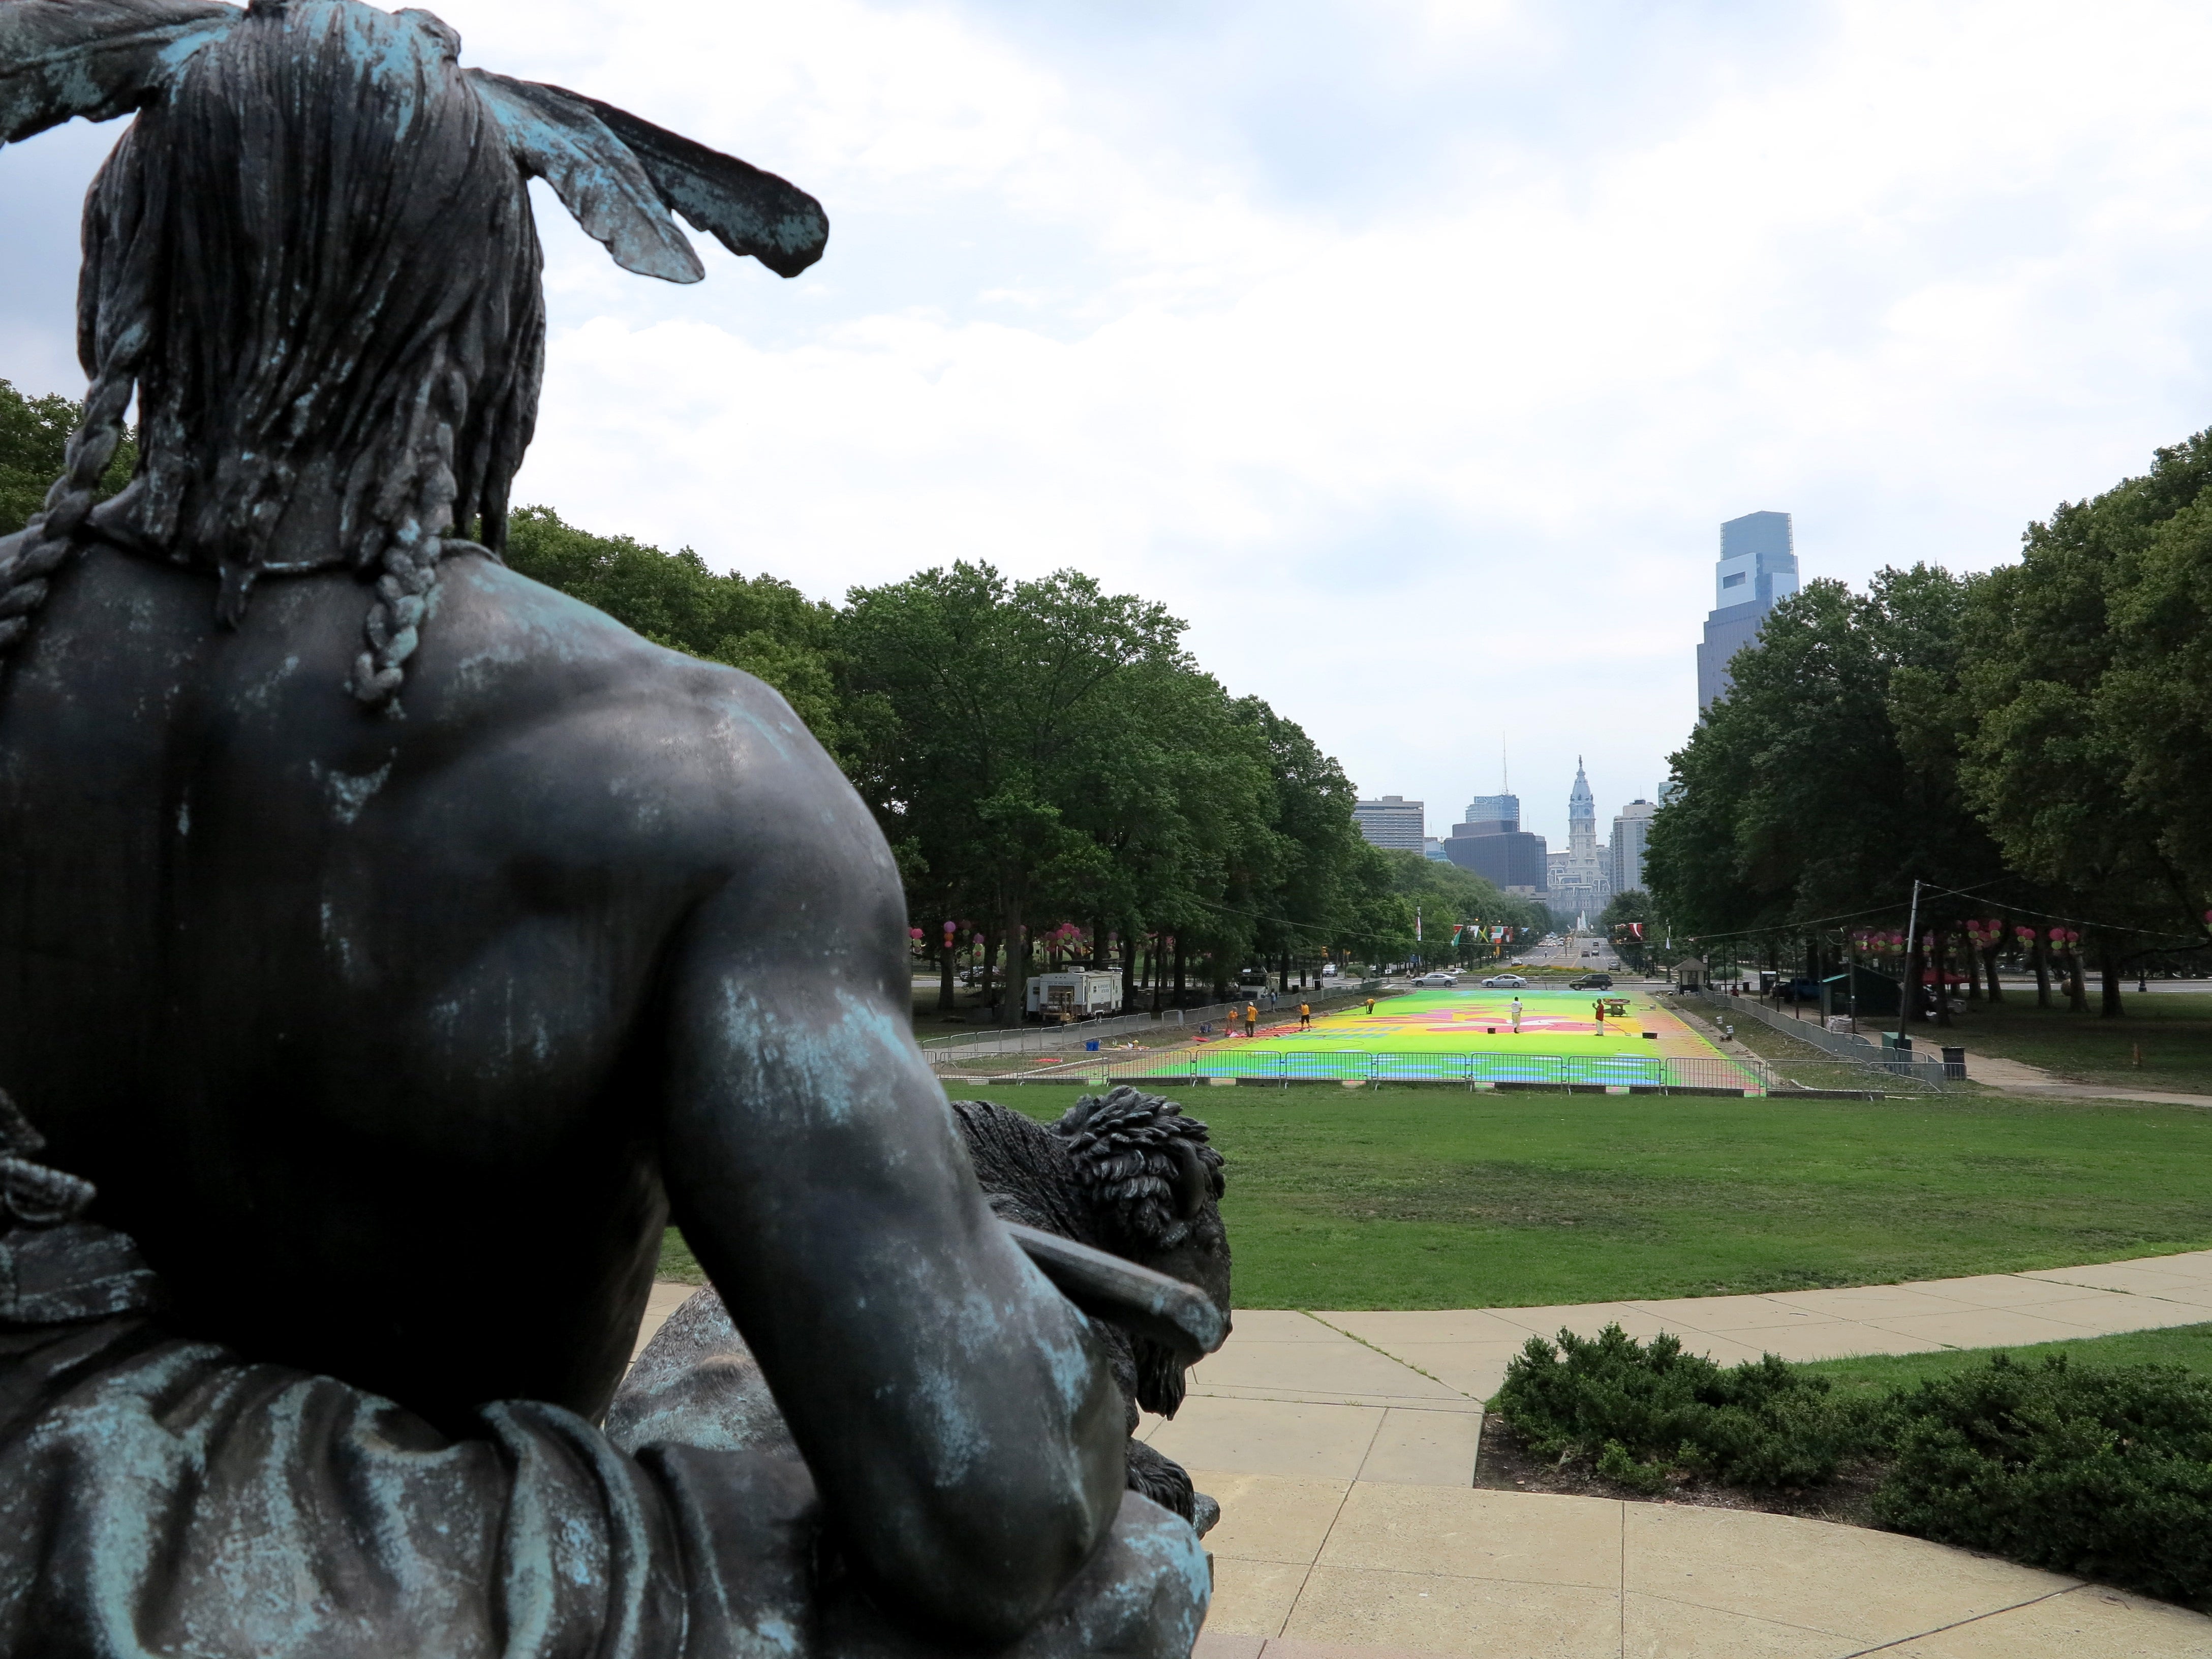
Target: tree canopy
2030	743
34	435
1047	761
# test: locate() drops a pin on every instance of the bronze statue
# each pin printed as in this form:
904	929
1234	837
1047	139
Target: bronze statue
1125	1172
389	946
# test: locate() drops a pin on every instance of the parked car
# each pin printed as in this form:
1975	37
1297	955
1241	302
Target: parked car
1437	979
1591	982
1506	982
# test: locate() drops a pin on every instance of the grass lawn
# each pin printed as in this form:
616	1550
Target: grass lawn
2173	1032
1413	1198
2189	1345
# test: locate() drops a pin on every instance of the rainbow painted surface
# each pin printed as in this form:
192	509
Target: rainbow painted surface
1465	1032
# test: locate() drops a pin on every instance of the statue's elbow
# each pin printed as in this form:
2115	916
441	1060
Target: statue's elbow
997	1567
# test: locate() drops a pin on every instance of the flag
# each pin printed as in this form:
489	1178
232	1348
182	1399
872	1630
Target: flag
1417	924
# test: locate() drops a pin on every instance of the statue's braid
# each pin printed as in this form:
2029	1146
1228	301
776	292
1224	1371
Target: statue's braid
54	534
411	551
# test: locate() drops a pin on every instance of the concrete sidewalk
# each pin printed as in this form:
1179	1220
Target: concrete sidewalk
1341	1447
2017	1077
1323	1570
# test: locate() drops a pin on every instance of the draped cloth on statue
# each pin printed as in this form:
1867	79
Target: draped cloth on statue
161	1496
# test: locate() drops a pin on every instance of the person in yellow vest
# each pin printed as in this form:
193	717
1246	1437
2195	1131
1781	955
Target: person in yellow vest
1305	1017
1251	1020
1371	1007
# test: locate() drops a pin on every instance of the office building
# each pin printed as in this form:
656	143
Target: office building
1434	850
1510	860
1758	569
1393	822
1631	834
1495	809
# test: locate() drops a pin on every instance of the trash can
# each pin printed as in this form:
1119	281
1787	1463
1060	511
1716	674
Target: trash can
1954	1064
1091	1046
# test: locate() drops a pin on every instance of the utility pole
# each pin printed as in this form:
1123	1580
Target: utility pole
1913	957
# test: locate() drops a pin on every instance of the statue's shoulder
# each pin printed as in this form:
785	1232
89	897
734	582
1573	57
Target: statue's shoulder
495	633
508	660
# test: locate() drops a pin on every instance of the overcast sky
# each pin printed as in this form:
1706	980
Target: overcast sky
1412	353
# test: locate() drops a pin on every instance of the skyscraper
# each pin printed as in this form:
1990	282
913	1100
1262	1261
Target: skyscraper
1758	569
1392	821
1495	809
1631	834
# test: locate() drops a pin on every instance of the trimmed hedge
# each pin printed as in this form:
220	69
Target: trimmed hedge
1643	1414
2105	1473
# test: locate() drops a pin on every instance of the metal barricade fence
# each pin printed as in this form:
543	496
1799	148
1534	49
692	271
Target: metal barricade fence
1852	1050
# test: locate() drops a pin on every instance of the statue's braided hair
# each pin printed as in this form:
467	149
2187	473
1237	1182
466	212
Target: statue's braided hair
55	533
314	261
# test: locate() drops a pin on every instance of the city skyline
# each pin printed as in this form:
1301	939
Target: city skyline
1581	873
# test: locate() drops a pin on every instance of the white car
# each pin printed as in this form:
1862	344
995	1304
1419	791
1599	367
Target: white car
1506	982
1436	979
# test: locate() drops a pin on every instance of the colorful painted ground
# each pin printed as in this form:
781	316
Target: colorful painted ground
1466	1034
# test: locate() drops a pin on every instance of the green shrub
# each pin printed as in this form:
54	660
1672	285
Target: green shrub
2106	1474
1641	1414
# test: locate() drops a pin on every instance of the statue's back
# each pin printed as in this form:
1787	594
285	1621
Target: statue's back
349	1016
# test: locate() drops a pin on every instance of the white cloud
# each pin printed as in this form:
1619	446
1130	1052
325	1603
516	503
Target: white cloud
1412	352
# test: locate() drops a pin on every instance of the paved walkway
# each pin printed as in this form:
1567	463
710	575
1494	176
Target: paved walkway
2017	1077
1341	1447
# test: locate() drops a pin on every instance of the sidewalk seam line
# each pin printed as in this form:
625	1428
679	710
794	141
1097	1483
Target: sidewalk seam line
1761	1618
1621	1593
1957	1624
1385	1353
1477	1578
1328	1532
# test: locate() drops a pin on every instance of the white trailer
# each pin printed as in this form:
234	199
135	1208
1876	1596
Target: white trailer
1084	993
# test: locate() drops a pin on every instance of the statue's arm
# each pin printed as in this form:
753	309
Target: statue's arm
955	1411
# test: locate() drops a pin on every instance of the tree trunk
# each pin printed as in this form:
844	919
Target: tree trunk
987	981
1128	964
1989	969
2042	971
1942	963
2077	995
1182	969
947	996
1013	994
2108	970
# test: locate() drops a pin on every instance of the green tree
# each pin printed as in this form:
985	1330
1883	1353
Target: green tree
1002	707
760	624
1626	912
34	435
2088	687
1828	779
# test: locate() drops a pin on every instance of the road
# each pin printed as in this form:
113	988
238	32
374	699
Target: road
1571	950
